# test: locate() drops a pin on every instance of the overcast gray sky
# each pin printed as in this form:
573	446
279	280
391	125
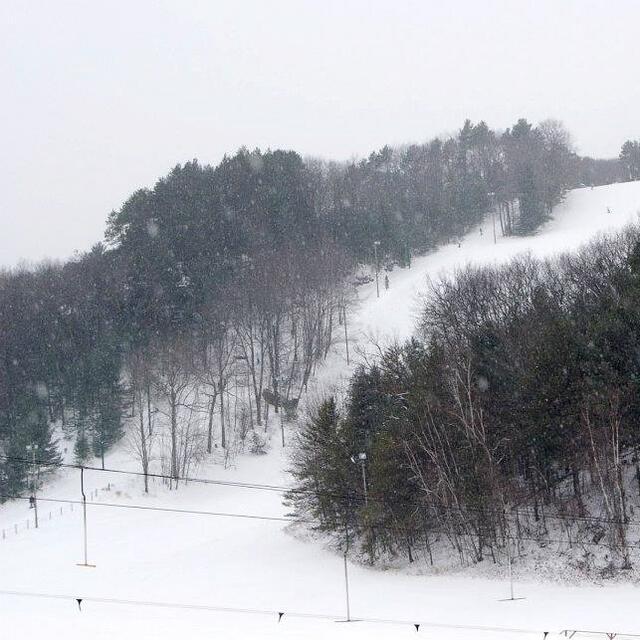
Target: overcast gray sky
100	98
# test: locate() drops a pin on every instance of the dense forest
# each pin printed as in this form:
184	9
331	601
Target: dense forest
217	292
512	415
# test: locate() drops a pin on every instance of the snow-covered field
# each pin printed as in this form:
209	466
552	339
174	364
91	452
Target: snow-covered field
217	562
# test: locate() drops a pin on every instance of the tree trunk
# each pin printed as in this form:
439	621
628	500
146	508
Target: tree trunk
223	435
144	453
149	409
174	436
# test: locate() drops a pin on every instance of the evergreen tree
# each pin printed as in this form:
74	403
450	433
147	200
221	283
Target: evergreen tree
630	160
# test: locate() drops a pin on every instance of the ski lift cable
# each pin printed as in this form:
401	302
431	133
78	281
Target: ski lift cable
295	490
267	612
293	520
280	613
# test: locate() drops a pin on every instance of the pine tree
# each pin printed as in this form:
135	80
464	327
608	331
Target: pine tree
31	427
82	449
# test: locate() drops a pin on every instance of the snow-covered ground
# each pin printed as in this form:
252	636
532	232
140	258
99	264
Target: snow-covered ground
216	562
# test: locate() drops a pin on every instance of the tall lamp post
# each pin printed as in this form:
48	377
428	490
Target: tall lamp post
376	244
491	195
33	503
362	458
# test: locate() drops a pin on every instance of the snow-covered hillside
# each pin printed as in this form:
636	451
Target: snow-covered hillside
585	213
211	561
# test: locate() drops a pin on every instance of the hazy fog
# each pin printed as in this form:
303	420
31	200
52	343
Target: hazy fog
100	98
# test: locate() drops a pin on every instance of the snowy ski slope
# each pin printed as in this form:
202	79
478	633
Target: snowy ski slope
258	565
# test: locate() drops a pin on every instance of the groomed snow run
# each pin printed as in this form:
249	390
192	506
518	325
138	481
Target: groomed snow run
145	559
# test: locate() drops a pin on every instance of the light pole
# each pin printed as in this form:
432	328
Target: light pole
32	448
84	522
282	427
346	572
362	458
491	194
376	244
511	597
346	335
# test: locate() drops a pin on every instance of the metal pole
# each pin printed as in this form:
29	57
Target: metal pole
84	520
493	217
493	214
512	596
375	253
364	482
510	570
346	337
34	484
346	574
84	513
